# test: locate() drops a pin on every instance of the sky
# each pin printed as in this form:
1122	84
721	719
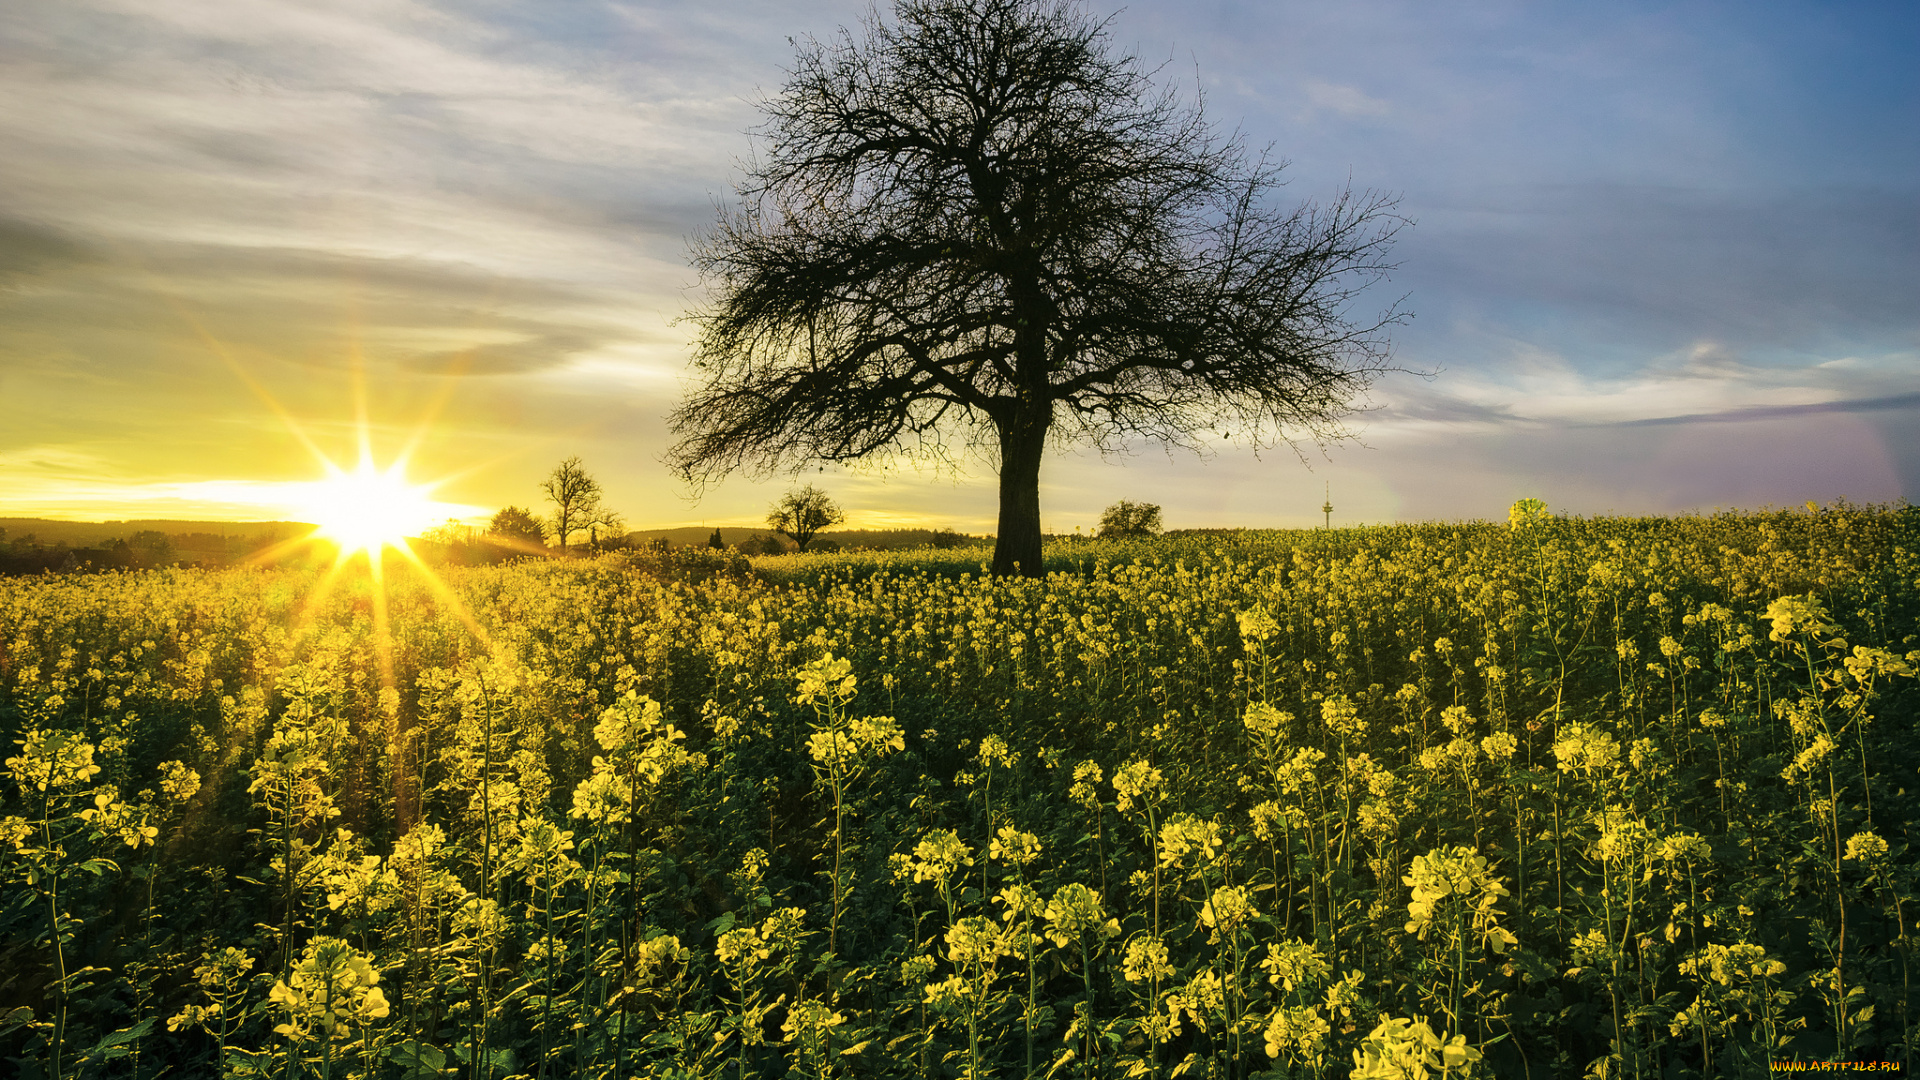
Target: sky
1665	256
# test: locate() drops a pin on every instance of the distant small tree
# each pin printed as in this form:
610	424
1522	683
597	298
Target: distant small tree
515	527
714	541
762	544
600	522
801	514
1126	518
575	497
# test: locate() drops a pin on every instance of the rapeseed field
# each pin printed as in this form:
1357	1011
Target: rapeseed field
1551	797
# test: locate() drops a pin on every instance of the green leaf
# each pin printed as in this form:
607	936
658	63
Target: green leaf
15	1019
248	1063
114	1044
418	1059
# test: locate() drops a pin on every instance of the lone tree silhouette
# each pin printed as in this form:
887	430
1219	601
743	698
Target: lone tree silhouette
575	497
516	528
802	513
1127	518
978	223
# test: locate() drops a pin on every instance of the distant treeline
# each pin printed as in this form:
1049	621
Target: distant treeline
81	547
41	545
763	542
473	547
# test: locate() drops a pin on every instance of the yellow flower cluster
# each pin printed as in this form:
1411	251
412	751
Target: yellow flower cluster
53	760
1342	718
1074	913
1583	748
1404	1049
1445	873
1137	782
1013	846
1227	910
1741	962
333	985
1146	960
938	854
1295	965
1086	776
1298	1033
1187	837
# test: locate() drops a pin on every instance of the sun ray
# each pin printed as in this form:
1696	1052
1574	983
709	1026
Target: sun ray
309	613
441	590
382	629
362	512
219	349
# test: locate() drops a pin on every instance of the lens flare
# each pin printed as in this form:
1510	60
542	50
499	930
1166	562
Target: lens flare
368	508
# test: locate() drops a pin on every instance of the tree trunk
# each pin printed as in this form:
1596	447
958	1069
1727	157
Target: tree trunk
1016	548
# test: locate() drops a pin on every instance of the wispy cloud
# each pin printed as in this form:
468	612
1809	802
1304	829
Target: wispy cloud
1345	101
1890	403
1532	387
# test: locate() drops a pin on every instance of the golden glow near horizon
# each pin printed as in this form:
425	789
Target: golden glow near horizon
368	509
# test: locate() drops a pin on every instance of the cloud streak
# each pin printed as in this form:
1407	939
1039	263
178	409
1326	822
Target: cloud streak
1891	403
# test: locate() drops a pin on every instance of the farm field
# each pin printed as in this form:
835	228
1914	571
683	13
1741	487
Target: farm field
1547	798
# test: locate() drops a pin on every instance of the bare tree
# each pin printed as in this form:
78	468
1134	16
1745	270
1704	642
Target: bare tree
977	222
575	497
601	520
802	513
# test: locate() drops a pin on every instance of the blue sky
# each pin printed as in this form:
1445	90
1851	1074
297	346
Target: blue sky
1667	256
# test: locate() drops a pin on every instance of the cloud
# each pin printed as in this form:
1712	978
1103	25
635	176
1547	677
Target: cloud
1532	387
307	307
1651	267
519	357
1345	101
30	250
1890	403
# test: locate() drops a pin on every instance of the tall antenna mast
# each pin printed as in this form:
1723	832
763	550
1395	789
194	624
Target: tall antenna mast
1327	507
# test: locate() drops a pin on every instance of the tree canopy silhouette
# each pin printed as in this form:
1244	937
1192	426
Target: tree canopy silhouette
803	512
1127	518
516	528
977	222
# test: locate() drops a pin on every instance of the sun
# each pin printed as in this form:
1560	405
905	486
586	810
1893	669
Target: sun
369	509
